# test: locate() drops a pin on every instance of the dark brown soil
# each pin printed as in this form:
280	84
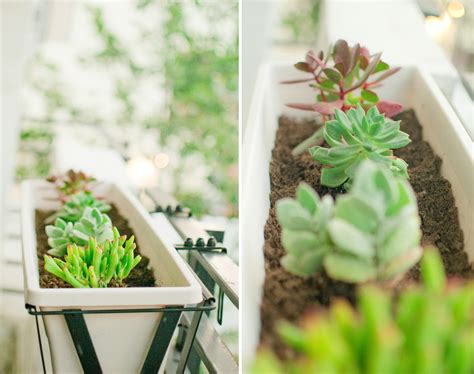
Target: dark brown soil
287	296
140	276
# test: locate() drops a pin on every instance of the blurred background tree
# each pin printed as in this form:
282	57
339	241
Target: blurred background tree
171	88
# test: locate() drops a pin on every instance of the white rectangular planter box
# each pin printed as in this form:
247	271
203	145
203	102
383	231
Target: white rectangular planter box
121	341
411	87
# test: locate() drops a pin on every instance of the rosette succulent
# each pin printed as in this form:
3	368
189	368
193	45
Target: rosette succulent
343	77
73	209
95	265
357	136
304	234
93	223
59	236
371	233
428	329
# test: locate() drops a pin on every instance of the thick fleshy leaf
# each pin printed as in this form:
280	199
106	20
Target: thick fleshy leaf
314	61
369	95
303	66
333	75
299	242
401	263
307	197
305	265
357	212
342	55
292	215
308	107
333	177
348	238
389	108
401	240
385	75
348	268
328	108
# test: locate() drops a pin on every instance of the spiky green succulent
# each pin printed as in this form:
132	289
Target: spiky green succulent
93	223
429	329
73	209
95	265
371	233
357	136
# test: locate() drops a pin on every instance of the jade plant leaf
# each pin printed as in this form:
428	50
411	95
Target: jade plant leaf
372	233
357	136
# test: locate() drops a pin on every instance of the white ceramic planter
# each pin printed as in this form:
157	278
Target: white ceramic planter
413	88
121	341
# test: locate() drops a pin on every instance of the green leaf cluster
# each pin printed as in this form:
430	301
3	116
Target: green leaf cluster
95	265
428	330
93	223
73	209
357	136
370	233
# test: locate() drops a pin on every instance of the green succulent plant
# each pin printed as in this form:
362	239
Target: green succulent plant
73	209
59	236
430	329
95	265
304	234
71	183
93	223
357	136
371	233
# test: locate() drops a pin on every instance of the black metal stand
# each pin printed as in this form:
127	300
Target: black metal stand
85	348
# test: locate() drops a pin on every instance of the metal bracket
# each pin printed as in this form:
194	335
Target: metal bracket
160	343
201	246
177	211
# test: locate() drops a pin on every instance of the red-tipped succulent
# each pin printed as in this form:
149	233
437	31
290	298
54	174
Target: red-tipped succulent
344	77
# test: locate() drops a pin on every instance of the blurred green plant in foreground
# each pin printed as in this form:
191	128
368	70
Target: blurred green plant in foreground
192	73
428	329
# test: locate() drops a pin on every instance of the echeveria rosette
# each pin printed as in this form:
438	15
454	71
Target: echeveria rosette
59	236
93	223
304	230
430	325
73	209
95	265
375	229
371	233
357	136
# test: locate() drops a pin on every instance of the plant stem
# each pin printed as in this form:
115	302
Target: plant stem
316	139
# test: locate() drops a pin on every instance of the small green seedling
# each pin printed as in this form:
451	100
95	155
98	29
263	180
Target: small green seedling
430	329
357	136
95	265
93	223
371	233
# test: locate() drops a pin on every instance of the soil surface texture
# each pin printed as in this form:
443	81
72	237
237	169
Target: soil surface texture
140	276
287	296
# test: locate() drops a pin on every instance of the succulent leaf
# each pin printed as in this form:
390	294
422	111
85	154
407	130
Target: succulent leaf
73	209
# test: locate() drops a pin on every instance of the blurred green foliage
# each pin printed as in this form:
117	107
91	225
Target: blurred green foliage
426	329
197	71
302	21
